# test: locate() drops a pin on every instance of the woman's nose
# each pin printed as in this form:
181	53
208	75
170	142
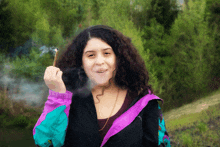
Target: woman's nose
100	59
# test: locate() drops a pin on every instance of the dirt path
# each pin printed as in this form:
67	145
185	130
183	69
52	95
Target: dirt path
194	107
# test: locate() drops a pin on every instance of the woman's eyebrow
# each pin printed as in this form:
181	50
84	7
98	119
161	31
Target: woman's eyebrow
93	50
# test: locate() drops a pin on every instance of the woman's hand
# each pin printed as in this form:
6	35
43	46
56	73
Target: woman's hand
53	79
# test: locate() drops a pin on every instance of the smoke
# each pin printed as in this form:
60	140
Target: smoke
77	82
36	93
32	93
22	89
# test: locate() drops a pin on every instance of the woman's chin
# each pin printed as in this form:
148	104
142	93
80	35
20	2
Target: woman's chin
100	84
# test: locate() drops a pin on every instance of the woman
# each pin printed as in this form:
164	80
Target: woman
125	114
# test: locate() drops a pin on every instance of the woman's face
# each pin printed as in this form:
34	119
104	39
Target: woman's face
97	57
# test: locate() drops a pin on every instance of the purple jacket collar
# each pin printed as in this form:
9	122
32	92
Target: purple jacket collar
127	117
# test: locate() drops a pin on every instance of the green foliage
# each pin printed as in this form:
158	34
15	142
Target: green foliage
32	123
139	12
31	67
180	57
164	11
20	121
95	9
42	30
7	120
213	17
142	11
70	13
191	47
2	119
183	59
202	127
160	55
6	26
187	139
208	9
46	21
24	17
2	58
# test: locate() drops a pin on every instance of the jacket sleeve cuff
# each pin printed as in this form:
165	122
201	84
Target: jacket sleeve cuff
66	95
56	106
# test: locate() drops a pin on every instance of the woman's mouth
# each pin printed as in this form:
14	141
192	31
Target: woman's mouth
101	73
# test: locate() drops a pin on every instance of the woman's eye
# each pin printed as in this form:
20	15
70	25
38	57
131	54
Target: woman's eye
93	54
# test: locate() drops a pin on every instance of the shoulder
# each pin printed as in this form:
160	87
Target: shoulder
152	105
151	109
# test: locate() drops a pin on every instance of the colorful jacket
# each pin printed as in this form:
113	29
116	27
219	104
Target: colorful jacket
136	127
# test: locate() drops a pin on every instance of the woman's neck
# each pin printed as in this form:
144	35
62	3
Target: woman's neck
98	89
110	87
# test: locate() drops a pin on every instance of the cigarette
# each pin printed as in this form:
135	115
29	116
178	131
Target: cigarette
55	58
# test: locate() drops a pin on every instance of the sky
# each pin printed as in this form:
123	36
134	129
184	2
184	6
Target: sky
181	1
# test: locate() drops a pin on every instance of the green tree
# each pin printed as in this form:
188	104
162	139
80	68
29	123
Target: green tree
139	12
155	40
23	18
58	21
95	9
6	27
213	16
165	12
155	28
31	67
192	49
46	21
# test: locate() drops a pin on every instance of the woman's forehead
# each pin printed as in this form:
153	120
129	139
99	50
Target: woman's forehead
96	44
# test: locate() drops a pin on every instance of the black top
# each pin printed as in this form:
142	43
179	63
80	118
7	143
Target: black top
102	122
83	128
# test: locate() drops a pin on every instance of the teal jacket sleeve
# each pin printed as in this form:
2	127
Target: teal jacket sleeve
50	128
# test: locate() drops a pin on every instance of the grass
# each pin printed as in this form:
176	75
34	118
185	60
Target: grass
16	137
199	129
196	129
17	121
16	114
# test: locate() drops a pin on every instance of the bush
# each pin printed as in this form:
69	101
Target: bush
32	123
202	127
19	121
187	140
2	118
31	67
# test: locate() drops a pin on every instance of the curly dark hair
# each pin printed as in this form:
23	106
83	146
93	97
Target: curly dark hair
131	70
